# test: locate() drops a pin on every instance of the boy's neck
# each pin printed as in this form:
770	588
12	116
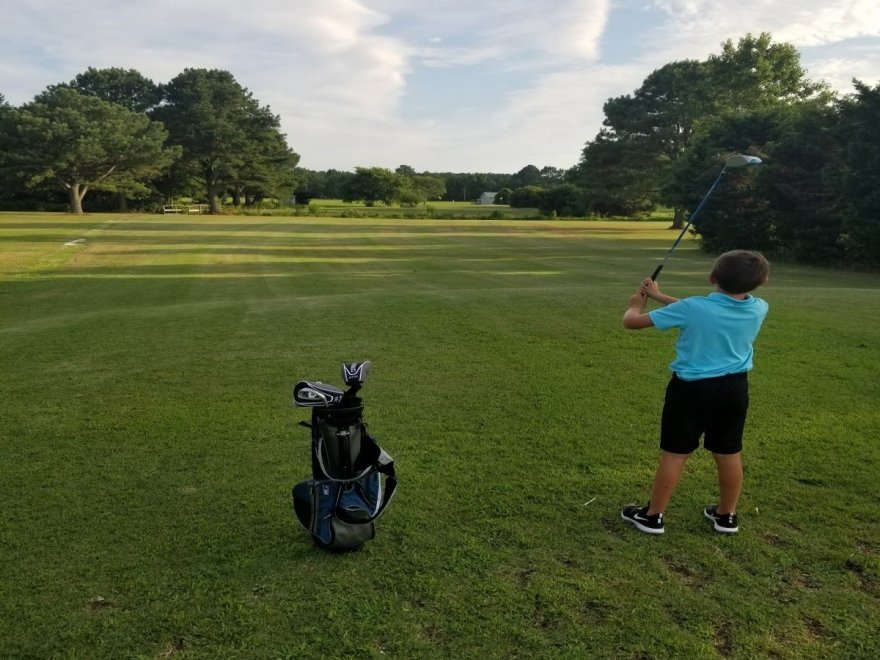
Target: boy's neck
735	296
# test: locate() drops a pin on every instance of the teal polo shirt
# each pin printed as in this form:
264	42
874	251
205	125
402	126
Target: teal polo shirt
716	333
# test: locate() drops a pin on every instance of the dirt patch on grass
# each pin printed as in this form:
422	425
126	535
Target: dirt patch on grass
867	578
597	610
614	526
814	629
175	646
804	580
520	576
722	640
542	617
680	569
771	539
867	547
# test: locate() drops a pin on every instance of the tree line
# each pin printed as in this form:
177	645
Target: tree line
815	199
115	132
202	135
406	186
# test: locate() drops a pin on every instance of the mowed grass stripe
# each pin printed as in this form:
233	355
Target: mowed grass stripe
150	446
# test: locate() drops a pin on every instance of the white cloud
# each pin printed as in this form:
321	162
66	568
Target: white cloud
680	7
697	27
830	24
463	32
839	72
549	122
312	62
341	72
449	57
571	28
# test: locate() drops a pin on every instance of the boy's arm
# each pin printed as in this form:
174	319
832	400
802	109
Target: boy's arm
651	289
634	318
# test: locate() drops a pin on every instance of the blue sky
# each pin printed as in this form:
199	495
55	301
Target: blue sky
450	85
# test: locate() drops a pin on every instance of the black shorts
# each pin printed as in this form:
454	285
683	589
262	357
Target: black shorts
715	407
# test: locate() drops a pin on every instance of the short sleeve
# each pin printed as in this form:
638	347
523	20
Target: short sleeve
671	316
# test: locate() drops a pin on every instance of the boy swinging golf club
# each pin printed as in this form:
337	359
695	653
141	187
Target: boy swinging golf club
708	394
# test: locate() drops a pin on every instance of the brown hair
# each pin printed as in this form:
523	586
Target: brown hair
740	271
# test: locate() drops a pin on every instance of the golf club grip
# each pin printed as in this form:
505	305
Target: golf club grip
656	272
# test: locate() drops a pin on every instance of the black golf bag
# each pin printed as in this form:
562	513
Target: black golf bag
347	491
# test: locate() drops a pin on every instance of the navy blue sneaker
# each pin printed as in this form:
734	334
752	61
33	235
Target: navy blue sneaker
638	516
726	523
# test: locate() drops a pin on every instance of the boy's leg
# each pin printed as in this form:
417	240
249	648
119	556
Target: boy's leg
730	480
665	480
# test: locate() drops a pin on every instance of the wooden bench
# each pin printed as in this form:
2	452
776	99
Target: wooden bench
197	208
170	208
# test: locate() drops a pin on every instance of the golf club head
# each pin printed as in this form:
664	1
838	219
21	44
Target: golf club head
738	161
309	394
355	373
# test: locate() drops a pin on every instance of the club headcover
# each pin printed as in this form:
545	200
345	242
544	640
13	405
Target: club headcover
355	373
309	394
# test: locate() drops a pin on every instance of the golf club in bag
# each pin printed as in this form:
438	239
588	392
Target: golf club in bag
735	162
344	497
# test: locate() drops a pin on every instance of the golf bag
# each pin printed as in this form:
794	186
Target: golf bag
344	497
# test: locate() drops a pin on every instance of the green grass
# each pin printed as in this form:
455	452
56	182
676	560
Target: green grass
149	446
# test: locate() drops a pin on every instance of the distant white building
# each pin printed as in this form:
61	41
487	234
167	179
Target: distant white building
487	198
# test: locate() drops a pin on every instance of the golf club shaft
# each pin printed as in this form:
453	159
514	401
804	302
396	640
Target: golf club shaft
688	224
677	240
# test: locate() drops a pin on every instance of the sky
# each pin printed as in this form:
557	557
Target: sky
441	86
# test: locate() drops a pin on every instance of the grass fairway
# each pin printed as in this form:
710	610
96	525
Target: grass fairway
149	446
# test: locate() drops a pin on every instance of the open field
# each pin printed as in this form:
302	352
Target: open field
149	446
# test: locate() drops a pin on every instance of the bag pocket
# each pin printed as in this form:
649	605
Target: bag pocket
349	537
360	500
317	504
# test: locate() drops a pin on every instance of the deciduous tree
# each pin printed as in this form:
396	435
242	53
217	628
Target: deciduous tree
429	187
530	175
680	100
857	183
654	126
374	184
618	176
757	73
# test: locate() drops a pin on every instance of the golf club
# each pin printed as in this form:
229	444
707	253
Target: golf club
735	162
309	394
355	373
